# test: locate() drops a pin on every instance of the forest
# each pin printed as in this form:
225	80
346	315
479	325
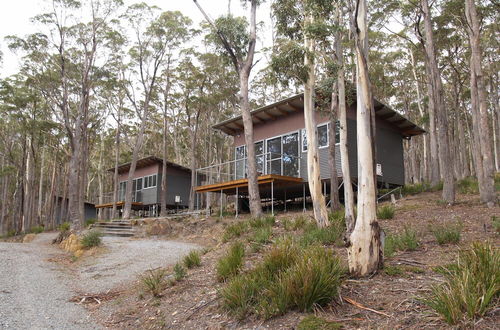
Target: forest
103	83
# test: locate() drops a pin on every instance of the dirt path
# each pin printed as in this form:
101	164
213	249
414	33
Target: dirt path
34	292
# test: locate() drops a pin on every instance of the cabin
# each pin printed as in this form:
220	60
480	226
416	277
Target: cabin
146	186
281	151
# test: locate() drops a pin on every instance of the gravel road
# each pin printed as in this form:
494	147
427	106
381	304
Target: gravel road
34	292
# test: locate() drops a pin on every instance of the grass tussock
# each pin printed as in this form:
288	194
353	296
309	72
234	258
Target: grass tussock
262	222
193	259
230	264
234	230
447	234
405	241
417	188
495	221
91	239
90	222
312	322
65	226
468	186
385	212
289	277
154	281
471	287
179	272
37	230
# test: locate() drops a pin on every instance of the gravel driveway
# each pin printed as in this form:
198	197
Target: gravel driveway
34	292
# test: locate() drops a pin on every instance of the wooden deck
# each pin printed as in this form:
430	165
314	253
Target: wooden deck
229	187
135	205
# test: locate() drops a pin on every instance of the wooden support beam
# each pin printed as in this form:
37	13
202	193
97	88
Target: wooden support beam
387	116
294	107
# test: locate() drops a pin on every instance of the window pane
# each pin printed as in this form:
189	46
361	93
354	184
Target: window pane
239	171
274	156
304	140
154	181
337	132
274	167
139	184
323	136
290	154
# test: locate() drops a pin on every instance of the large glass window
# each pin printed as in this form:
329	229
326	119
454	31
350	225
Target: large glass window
240	156
260	157
274	156
290	154
323	137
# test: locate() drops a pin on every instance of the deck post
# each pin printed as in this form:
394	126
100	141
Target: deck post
221	203
272	197
236	203
303	197
285	199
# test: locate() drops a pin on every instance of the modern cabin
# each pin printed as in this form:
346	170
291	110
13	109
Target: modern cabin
146	186
281	150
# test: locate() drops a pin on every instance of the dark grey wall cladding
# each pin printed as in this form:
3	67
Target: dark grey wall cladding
179	185
389	155
150	195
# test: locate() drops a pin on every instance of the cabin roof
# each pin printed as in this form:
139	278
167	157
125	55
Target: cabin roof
296	103
147	161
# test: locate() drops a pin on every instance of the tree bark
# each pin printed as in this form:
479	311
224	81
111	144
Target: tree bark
365	253
163	193
313	170
445	160
480	108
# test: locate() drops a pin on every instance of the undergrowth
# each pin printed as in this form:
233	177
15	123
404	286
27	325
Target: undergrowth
405	241
312	322
468	186
471	287
37	230
385	212
91	239
154	281
192	260
230	265
65	226
179	272
446	234
234	230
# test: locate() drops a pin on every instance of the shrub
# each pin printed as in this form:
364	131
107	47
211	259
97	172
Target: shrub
91	239
288	278
262	235
261	222
192	260
412	189
89	222
471	287
337	217
497	181
231	264
179	272
37	229
11	232
312	322
287	223
406	241
154	281
385	212
468	186
447	234
436	187
496	224
300	222
65	226
234	230
326	236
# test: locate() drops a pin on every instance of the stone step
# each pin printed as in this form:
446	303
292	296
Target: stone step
118	234
109	225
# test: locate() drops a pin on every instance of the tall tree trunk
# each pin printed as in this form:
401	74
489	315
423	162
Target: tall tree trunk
194	135
100	178
334	179
117	161
40	190
480	107
313	170
163	192
445	160
365	253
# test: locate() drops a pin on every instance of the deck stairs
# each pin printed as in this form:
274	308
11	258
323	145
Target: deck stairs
119	228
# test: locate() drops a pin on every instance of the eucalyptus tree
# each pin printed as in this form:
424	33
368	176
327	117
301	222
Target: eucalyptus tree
229	33
155	35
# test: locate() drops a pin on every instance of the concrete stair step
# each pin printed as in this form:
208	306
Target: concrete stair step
105	225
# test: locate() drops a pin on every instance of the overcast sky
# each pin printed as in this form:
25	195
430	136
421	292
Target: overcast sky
15	19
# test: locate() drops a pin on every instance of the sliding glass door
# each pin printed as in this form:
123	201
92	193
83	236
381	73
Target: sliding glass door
290	144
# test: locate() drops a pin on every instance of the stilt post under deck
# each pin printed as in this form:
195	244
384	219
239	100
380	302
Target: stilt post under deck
285	199
236	203
304	197
272	197
221	203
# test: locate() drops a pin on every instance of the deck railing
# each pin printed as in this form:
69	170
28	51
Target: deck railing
268	163
108	198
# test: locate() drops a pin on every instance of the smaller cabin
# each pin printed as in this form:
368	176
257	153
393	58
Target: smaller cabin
146	186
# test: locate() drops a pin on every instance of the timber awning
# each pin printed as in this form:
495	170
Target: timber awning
148	161
295	103
229	187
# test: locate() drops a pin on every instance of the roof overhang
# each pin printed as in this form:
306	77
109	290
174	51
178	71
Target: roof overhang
148	161
295	103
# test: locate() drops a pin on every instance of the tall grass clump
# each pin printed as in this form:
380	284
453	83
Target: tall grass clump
179	272
413	189
405	241
192	260
234	230
230	264
91	239
312	322
300	222
154	281
495	221
262	235
471	287
65	226
330	235
468	186
89	222
261	222
37	229
385	212
446	234
289	277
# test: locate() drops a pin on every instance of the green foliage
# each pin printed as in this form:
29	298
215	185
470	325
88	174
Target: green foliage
312	322
154	281
265	221
325	236
192	260
406	241
471	287
234	230
179	272
11	233
417	188
234	30
289	62
437	187
497	181
37	229
230	264
445	234
393	270
289	277
468	186
385	212
89	222
495	221
337	217
300	222
262	235
65	226
91	239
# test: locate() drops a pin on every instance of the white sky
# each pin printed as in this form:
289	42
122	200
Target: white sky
15	19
